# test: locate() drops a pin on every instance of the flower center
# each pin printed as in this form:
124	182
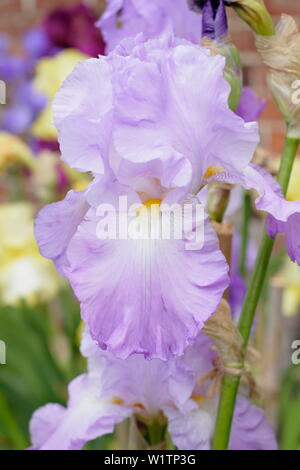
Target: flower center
150	204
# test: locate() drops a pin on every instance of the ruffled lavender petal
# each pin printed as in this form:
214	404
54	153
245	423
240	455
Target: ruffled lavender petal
83	118
145	296
114	389
175	121
153	384
56	224
192	429
250	428
284	216
44	422
90	413
151	130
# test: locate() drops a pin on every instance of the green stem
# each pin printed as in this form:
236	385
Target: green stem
245	233
230	384
156	433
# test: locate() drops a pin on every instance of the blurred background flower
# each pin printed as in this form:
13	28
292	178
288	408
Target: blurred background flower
24	273
49	76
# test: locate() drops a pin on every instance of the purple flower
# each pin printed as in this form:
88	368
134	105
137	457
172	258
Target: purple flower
151	131
214	19
113	389
127	18
283	214
23	103
290	226
74	27
37	44
250	106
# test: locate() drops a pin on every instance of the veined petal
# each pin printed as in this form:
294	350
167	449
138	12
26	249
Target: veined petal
192	429
82	115
175	123
153	384
145	296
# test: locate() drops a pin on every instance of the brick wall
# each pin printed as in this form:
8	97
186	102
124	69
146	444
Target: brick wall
272	127
17	15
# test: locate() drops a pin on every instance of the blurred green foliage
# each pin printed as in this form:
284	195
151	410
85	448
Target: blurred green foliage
289	410
42	356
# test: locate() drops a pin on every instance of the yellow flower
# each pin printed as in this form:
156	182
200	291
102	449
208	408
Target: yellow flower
81	184
13	150
50	74
293	193
24	273
291	295
45	175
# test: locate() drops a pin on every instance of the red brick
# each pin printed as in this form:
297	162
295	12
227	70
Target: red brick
243	40
271	111
277	7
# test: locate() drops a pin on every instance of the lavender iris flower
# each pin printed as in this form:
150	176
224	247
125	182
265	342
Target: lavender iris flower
112	390
149	131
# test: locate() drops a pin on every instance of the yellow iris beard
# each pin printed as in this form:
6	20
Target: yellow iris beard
198	398
148	205
212	171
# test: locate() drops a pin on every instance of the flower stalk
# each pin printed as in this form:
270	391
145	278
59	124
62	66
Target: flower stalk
230	383
245	233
